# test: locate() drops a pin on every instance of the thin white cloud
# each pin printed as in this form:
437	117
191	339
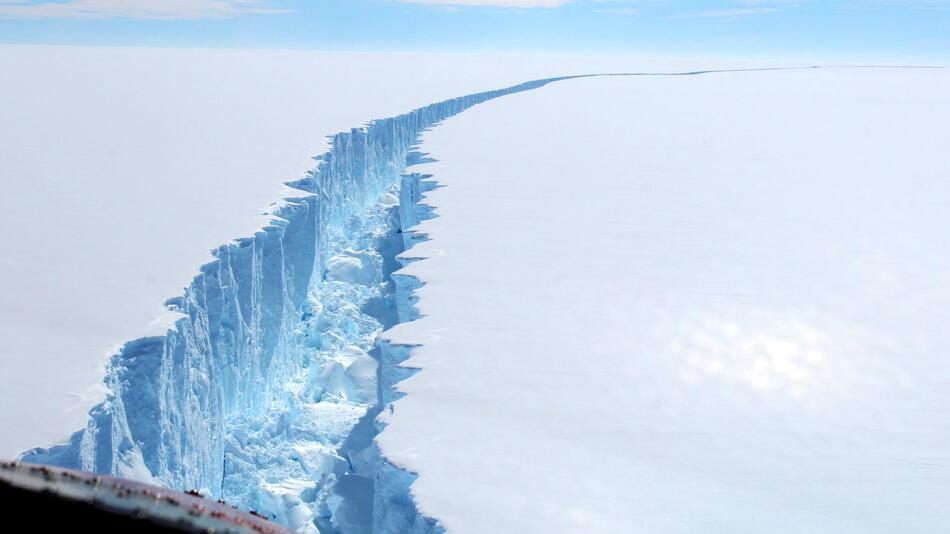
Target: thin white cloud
135	9
913	4
727	13
619	11
772	2
493	3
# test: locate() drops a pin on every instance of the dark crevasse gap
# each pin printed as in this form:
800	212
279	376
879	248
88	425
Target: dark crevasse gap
265	392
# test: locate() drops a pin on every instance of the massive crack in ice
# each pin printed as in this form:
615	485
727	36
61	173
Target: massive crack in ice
265	393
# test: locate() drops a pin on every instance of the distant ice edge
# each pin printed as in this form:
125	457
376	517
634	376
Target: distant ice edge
265	393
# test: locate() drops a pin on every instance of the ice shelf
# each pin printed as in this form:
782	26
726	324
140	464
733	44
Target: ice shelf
677	305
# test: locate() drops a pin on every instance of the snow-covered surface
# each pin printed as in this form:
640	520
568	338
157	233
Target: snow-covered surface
121	168
711	303
652	303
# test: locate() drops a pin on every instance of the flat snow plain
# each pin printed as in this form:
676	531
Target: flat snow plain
707	303
121	168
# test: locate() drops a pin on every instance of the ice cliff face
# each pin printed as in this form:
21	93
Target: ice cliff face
265	393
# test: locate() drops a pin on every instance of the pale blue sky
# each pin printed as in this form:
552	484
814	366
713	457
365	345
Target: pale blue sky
887	30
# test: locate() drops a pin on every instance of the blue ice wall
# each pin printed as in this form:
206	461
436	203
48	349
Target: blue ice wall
265	392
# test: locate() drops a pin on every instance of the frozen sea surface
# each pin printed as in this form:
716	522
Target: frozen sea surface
686	304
